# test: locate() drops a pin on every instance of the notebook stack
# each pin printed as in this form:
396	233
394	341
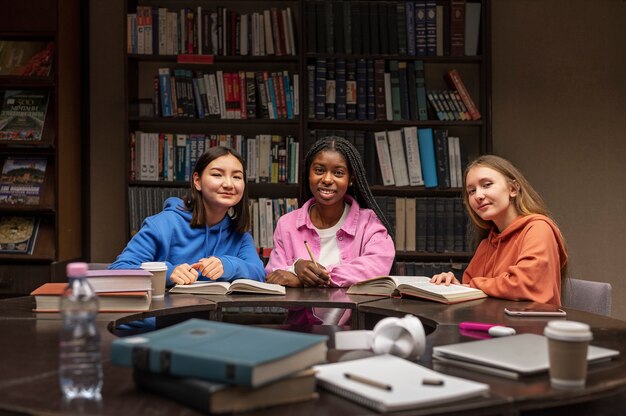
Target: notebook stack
118	291
217	367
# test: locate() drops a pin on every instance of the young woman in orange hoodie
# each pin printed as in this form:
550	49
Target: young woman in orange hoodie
521	254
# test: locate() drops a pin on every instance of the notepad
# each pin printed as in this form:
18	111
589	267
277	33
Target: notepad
410	385
511	357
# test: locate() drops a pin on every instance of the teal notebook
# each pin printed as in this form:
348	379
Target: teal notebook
217	351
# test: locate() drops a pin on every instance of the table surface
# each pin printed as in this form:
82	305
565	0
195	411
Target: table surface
29	350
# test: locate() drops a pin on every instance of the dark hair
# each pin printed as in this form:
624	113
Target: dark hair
360	190
240	213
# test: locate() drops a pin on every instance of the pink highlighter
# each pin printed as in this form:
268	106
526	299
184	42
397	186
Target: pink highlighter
492	329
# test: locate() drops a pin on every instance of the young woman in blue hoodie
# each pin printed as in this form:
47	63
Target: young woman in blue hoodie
204	237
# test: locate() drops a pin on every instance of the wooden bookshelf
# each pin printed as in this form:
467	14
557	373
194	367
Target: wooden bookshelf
140	69
59	212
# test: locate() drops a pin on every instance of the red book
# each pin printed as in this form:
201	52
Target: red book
454	81
48	296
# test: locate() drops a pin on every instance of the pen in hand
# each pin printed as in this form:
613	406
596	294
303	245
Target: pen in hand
306	244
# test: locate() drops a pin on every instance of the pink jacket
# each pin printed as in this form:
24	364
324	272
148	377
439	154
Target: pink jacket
366	248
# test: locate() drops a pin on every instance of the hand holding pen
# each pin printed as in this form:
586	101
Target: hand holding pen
311	273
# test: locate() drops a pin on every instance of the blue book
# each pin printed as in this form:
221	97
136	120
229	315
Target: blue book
427	156
221	352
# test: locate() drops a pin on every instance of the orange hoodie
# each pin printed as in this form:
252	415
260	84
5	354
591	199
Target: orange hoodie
521	263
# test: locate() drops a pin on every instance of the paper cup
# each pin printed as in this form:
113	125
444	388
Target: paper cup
568	342
158	269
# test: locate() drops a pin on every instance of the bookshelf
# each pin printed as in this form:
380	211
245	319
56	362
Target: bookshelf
55	202
317	23
198	128
377	56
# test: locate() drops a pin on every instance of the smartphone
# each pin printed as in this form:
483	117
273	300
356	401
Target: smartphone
536	309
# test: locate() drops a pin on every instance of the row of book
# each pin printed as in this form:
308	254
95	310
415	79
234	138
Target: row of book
384	90
269	158
414	28
201	31
427	224
415	157
22	114
21	180
226	95
383	157
120	290
265	213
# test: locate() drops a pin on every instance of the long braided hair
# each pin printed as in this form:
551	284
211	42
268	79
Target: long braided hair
360	190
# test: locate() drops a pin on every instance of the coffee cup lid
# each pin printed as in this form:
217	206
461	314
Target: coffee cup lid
568	331
154	266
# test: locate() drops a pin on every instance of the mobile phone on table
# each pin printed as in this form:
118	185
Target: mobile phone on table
535	309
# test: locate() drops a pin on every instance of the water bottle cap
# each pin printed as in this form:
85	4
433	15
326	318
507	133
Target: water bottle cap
76	269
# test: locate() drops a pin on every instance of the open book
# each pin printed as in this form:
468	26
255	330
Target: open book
225	288
418	286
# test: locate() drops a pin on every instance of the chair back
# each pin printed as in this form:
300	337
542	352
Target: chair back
587	295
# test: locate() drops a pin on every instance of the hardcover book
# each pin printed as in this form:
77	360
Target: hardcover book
18	234
211	397
21	181
203	287
48	295
221	352
22	115
416	286
120	280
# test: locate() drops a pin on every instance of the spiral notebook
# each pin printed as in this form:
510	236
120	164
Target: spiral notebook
388	383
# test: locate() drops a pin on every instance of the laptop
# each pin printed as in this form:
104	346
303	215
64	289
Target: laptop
512	357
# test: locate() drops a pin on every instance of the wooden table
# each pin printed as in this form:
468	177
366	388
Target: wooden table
29	351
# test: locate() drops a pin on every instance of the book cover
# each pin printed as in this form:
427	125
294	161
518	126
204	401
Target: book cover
404	383
23	115
47	297
26	58
453	78
221	352
21	181
384	158
215	398
18	234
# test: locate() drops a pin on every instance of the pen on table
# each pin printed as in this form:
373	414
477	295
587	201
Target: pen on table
367	381
492	329
308	248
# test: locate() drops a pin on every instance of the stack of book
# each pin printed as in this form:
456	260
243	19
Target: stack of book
213	366
118	291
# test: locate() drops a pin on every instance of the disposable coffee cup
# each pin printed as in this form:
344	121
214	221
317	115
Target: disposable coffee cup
158	269
568	342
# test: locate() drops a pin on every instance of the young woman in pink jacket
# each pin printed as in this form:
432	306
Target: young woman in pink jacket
521	253
349	237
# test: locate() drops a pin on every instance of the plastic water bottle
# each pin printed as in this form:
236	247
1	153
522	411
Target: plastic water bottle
80	359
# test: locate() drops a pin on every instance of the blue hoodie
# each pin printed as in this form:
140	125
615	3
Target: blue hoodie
167	236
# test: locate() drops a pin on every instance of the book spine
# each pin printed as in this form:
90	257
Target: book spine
454	81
